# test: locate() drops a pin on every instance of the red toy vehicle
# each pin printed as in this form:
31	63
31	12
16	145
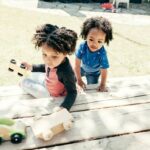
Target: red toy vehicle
108	6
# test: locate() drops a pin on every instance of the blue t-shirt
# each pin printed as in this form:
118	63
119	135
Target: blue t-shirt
92	61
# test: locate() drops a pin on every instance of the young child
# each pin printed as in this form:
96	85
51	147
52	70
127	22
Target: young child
55	77
91	57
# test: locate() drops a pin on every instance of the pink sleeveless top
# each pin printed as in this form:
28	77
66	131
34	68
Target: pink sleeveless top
54	86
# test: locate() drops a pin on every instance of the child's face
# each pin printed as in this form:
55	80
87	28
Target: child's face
51	57
95	39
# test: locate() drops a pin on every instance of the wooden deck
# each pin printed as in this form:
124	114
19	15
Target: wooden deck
117	120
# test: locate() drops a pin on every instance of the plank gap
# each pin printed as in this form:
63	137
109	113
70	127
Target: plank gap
92	139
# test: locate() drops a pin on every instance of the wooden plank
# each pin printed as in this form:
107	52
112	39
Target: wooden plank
111	103
11	90
88	96
17	97
135	141
17	107
114	84
93	125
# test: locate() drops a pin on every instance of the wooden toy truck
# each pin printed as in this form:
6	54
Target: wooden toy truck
12	130
20	69
46	127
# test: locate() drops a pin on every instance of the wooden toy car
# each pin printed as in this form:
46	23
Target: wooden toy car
46	127
20	69
11	130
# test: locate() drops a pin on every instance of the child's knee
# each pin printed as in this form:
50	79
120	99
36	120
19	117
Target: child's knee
25	83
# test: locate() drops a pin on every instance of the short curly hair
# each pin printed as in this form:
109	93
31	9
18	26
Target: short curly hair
61	39
99	23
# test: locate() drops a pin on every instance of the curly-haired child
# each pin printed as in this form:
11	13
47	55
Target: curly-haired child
55	77
91	57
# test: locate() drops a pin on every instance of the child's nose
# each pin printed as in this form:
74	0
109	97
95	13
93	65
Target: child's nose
48	61
94	46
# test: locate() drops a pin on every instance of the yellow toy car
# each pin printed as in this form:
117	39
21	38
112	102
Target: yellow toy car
12	130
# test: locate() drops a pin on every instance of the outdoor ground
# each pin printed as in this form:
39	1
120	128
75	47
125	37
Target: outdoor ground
129	52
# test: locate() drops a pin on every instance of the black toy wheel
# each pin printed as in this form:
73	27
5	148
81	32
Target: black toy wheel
10	69
1	140
20	74
16	138
23	67
13	61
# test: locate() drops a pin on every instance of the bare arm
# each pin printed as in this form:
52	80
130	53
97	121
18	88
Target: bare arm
102	86
78	73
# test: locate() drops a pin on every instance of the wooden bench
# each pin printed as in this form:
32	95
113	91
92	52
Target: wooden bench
118	119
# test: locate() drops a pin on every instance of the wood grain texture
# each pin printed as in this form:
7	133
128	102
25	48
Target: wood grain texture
102	121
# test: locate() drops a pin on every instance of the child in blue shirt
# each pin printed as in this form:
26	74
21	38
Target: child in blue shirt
91	57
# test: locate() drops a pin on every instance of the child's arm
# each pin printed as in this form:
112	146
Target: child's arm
38	68
102	87
67	77
34	68
27	65
70	85
78	73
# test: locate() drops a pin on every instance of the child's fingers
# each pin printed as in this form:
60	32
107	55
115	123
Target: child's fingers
83	86
102	89
27	66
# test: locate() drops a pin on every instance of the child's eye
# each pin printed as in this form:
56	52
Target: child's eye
44	55
99	42
91	39
54	57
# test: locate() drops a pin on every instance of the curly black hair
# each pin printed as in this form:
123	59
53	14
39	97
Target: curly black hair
61	39
99	23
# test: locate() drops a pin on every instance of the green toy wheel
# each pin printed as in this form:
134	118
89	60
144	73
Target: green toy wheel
16	138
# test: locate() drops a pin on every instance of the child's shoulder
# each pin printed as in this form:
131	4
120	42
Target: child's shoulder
82	46
65	66
102	50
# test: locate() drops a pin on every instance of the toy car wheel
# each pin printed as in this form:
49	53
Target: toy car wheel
1	140
10	69
48	135
67	125
16	138
23	67
13	61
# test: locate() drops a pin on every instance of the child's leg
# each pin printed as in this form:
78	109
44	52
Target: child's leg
92	78
35	85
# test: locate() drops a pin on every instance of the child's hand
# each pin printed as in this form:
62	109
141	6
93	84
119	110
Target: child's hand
102	88
28	66
81	84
